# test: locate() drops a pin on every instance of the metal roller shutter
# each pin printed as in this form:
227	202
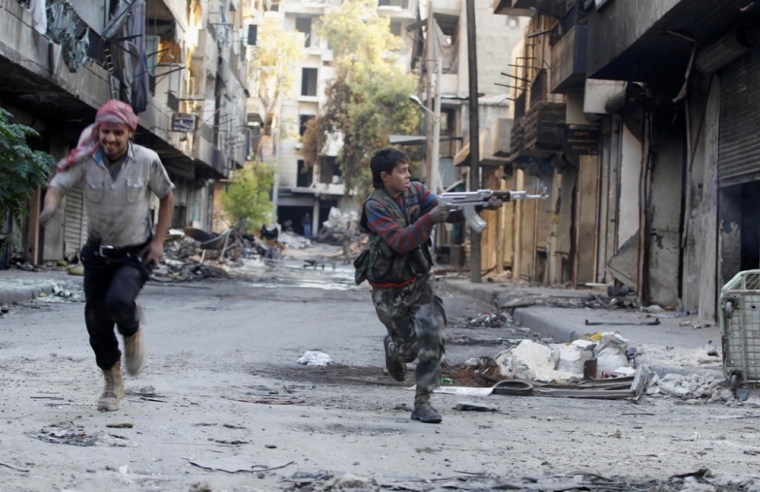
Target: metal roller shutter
739	148
75	225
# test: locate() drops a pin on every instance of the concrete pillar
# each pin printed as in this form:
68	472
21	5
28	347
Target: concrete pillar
34	228
315	217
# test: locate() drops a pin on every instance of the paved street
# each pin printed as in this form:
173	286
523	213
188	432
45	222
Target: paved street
223	390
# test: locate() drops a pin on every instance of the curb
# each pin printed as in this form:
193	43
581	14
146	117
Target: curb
480	294
11	296
560	333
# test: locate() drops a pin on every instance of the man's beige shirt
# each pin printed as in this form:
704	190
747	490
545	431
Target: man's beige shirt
118	210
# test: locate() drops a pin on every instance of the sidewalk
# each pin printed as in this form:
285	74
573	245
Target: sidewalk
19	285
671	346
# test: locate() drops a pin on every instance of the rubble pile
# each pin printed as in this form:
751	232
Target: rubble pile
294	241
332	230
691	387
553	362
184	260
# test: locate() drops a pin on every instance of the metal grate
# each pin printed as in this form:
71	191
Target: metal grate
740	324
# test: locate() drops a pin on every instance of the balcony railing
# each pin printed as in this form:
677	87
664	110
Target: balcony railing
515	7
570	60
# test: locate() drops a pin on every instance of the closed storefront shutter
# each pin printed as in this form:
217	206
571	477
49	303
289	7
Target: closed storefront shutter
739	148
75	224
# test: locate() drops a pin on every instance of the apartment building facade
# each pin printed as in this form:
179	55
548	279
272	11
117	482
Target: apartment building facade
181	66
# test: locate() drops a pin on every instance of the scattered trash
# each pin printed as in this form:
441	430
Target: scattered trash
147	393
710	349
474	407
623	323
314	358
122	425
6	465
610	353
493	320
267	401
124	470
234	464
67	433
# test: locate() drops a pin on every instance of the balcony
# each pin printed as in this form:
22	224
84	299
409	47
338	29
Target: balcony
395	9
206	53
540	132
515	7
569	61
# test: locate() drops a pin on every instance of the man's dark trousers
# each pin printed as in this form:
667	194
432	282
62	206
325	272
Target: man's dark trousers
111	286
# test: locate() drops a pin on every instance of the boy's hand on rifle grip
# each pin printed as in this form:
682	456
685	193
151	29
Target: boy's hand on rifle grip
439	214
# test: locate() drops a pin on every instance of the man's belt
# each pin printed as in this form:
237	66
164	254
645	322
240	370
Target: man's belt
114	252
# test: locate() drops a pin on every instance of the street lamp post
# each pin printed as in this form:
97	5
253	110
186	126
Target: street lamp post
435	182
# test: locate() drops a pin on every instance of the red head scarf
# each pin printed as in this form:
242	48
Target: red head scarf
113	115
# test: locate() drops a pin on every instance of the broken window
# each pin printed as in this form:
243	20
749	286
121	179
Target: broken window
303	122
305	175
309	82
448	119
329	170
303	25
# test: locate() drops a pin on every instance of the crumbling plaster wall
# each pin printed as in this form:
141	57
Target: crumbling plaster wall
665	210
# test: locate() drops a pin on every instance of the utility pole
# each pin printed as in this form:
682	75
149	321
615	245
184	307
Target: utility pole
426	171
472	68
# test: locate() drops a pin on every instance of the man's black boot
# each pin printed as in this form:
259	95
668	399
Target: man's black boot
396	367
424	411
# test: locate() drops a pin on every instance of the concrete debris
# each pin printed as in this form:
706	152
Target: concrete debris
610	353
573	357
551	362
691	387
493	320
294	241
67	433
349	481
536	362
334	228
314	358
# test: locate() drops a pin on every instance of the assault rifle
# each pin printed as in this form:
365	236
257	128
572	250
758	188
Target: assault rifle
466	201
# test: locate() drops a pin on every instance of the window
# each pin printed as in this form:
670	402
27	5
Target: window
305	176
329	170
309	82
304	120
303	25
404	4
396	28
448	119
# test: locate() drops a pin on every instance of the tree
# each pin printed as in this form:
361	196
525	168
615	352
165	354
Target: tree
246	199
369	98
22	169
272	68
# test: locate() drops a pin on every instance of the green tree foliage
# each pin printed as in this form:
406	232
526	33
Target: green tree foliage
246	199
369	98
273	65
22	169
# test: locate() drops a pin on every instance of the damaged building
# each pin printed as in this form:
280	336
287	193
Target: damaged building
181	65
440	35
639	119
